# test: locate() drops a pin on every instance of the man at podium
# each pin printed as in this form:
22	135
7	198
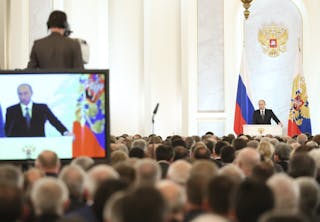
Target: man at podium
263	115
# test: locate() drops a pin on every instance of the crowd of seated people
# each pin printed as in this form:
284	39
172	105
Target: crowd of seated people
173	179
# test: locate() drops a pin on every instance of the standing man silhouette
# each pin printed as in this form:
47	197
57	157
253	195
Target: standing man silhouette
56	51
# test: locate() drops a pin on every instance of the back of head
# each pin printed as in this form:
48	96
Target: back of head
139	143
248	204
105	190
174	195
282	216
137	153
309	195
48	196
209	218
48	161
11	202
74	177
282	150
228	154
239	143
12	175
179	171
221	191
181	153
196	189
301	164
164	152
148	171
247	159
57	19
100	173
84	162
144	204
207	168
286	191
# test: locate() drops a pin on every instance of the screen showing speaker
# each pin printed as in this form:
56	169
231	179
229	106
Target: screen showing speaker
70	108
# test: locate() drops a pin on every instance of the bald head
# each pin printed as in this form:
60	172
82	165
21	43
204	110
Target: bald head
247	159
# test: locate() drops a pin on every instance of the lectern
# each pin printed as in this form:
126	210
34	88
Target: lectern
262	130
24	148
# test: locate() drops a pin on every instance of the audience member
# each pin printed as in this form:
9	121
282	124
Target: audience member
11	202
246	159
227	155
179	171
49	197
309	197
74	178
175	197
283	216
12	175
49	162
252	200
118	156
164	155
84	162
148	172
286	192
136	153
221	195
302	164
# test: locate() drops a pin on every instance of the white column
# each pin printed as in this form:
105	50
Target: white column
3	33
18	51
126	67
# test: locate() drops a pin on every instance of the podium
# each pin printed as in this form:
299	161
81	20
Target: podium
262	130
24	148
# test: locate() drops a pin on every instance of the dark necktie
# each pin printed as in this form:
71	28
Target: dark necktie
262	114
27	117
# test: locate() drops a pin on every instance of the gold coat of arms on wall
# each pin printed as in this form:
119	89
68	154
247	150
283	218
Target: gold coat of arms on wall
273	39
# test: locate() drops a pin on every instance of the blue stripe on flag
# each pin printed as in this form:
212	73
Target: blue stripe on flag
244	102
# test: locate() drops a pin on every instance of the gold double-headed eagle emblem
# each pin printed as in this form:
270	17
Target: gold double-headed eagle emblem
273	39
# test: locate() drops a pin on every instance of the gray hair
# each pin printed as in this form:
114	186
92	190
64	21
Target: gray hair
139	143
174	195
12	175
48	196
148	171
74	177
309	194
179	171
285	190
84	162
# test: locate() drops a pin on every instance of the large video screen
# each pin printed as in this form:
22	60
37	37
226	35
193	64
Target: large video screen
69	113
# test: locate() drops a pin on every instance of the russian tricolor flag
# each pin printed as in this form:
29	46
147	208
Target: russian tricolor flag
244	108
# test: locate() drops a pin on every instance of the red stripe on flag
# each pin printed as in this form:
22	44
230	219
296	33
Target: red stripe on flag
293	129
239	121
85	143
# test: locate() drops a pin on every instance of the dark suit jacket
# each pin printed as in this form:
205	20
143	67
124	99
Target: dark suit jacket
257	118
56	52
16	125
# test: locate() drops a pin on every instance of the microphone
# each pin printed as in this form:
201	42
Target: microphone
156	109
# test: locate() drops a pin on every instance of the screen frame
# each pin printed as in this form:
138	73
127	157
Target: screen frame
105	72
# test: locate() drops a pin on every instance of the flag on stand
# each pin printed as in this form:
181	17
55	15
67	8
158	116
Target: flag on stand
244	108
299	114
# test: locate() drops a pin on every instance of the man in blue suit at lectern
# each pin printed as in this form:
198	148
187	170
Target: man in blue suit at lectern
263	115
